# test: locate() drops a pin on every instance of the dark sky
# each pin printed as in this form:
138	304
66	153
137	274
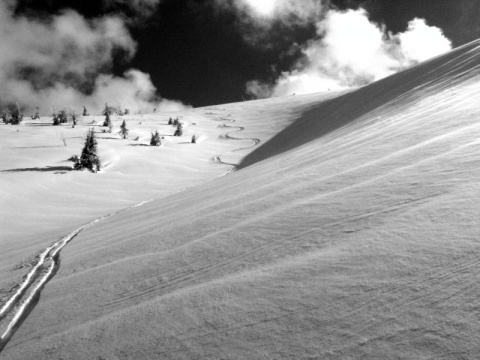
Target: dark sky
199	56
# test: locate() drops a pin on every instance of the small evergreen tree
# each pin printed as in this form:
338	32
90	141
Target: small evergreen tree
175	122
62	116
179	131
194	139
56	119
17	116
124	130
89	158
170	121
126	112
155	140
85	112
107	122
74	116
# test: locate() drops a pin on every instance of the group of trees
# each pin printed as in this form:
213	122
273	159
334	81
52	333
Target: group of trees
117	110
13	117
89	158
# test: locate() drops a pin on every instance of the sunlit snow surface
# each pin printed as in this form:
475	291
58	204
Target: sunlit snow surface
350	231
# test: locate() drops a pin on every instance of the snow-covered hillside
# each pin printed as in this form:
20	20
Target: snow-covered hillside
349	231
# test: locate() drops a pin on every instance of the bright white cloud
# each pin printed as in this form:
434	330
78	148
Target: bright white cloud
350	51
64	61
420	42
263	7
256	17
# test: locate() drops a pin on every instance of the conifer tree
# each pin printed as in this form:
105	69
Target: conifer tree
17	116
62	116
170	121
107	122
89	158
74	116
155	140
124	130
85	112
56	119
194	139
179	131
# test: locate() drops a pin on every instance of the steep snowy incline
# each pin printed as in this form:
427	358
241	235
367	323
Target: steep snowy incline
352	239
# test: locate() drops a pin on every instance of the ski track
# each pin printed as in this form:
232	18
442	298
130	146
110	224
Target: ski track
226	136
27	295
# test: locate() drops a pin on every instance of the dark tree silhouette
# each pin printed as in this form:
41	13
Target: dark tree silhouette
85	112
194	139
179	131
155	140
107	122
17	116
62	116
56	119
124	130
89	158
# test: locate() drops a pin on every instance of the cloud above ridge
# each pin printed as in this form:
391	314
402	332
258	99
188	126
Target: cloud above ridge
350	50
257	18
65	60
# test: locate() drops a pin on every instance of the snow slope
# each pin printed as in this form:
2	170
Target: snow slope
350	231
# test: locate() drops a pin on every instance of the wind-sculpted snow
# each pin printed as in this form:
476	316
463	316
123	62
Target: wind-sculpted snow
351	231
27	294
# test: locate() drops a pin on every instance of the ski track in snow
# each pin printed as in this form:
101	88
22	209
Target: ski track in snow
227	136
27	294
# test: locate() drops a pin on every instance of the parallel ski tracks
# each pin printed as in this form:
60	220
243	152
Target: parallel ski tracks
19	305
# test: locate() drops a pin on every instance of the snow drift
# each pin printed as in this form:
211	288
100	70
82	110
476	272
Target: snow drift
353	232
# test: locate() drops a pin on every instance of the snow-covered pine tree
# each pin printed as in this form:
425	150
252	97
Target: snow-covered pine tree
179	131
17	116
155	140
107	122
89	158
62	116
56	119
124	130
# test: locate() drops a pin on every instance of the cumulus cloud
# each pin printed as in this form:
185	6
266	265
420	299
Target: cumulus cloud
350	50
290	10
64	61
257	18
